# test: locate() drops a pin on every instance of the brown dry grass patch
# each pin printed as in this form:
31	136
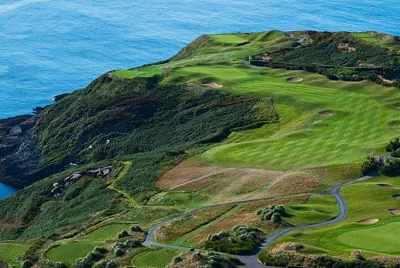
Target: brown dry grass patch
179	227
295	182
186	171
243	215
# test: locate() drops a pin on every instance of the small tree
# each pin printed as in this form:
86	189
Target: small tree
276	218
393	145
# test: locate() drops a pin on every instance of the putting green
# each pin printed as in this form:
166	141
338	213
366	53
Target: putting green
383	238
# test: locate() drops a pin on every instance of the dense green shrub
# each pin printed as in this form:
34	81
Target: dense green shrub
371	165
272	213
241	240
283	259
393	145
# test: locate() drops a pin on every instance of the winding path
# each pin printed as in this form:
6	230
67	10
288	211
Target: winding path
252	260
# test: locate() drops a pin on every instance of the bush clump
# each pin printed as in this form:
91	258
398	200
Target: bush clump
272	213
241	240
121	248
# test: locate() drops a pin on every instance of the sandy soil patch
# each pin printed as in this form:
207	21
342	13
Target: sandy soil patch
368	221
295	80
394	211
212	84
384	185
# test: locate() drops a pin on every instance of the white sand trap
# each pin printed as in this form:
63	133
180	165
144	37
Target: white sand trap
394	211
384	185
213	85
396	196
295	80
368	221
327	114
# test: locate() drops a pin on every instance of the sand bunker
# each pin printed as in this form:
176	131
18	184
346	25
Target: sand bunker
368	221
394	211
383	185
212	84
396	196
327	114
295	80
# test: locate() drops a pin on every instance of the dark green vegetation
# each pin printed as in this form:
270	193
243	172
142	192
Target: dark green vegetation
337	55
206	106
388	165
241	240
272	213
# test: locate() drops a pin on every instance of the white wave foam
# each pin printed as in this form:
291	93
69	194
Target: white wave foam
10	7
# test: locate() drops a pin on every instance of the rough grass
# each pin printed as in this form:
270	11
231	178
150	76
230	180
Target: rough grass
175	229
10	252
155	257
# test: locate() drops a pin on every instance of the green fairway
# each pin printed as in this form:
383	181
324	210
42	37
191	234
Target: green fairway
147	71
384	238
228	38
10	252
364	200
319	208
68	253
155	258
307	136
107	232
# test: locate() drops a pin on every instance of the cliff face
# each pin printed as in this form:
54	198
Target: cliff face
114	117
19	154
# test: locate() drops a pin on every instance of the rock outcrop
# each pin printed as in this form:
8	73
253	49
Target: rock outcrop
58	188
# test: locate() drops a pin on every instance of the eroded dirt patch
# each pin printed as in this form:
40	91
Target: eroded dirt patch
368	221
212	84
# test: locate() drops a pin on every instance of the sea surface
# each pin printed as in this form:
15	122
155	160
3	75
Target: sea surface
49	47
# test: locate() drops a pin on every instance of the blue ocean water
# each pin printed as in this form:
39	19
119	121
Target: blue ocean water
50	47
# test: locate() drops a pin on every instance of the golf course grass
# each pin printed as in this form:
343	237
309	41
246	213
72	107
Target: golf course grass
319	208
147	71
229	38
69	252
365	200
107	232
10	252
155	257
